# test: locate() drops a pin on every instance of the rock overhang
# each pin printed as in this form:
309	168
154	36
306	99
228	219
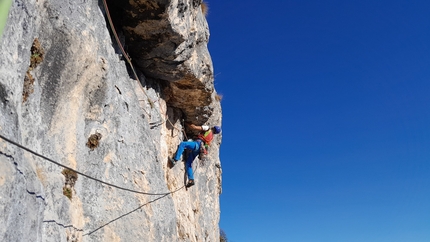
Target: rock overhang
167	41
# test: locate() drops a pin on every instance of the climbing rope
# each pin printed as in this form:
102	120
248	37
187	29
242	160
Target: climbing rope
83	174
161	195
164	120
119	43
149	99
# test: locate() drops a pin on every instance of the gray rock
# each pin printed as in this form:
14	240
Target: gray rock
168	41
66	93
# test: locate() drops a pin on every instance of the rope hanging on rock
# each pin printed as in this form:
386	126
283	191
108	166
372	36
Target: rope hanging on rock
164	119
83	174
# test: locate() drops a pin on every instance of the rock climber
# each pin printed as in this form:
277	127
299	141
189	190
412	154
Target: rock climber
197	146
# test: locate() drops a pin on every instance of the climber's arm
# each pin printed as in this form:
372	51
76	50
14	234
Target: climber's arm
199	128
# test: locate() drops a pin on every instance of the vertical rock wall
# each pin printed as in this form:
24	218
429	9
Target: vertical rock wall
168	41
67	94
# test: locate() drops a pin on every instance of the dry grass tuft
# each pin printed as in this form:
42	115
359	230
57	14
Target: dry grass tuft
205	8
71	177
67	192
93	140
36	57
28	88
37	54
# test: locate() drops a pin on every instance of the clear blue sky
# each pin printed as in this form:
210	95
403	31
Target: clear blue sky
326	119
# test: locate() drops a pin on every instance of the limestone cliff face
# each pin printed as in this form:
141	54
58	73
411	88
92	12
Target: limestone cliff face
168	41
66	92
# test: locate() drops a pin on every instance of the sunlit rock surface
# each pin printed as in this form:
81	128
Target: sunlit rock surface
66	92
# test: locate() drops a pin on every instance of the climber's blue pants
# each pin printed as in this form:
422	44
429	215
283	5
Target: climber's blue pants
194	148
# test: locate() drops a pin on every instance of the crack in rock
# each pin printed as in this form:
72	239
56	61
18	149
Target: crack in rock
22	173
16	167
62	225
34	194
7	155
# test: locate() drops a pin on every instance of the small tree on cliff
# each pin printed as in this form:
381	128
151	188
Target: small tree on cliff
222	236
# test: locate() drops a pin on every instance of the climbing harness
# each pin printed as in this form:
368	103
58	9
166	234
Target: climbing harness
206	137
151	102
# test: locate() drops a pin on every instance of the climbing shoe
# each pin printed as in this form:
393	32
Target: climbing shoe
172	162
190	183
